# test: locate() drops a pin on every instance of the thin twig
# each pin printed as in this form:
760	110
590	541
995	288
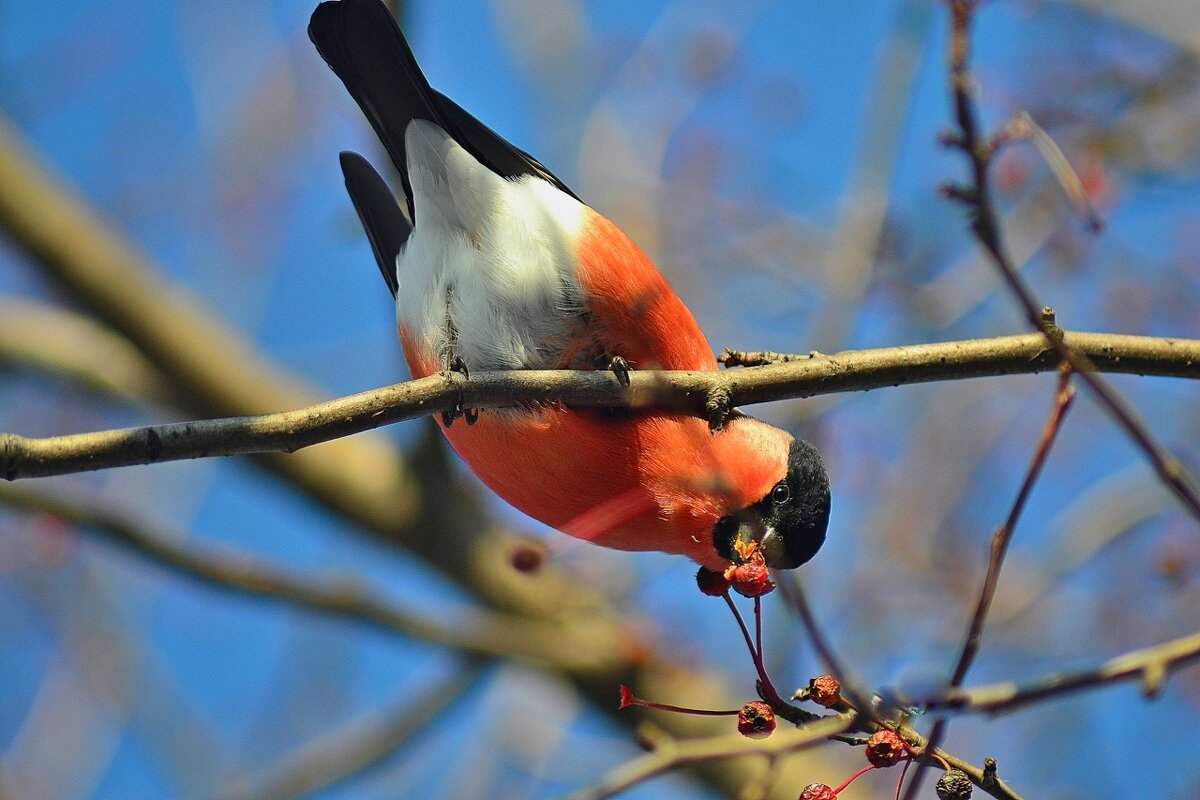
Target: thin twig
482	633
852	688
1023	126
1149	665
685	392
1003	535
1001	538
978	197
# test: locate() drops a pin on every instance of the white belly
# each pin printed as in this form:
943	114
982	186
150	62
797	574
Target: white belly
489	272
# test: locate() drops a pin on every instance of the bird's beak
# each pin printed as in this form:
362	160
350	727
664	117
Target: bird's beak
758	536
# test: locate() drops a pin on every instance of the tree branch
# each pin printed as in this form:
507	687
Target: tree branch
977	197
216	369
1150	665
668	754
482	633
686	392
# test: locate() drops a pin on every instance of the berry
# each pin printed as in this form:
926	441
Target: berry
750	579
713	584
817	791
954	785
756	720
884	748
825	690
527	557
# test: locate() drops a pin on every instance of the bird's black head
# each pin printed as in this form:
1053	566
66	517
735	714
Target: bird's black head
789	523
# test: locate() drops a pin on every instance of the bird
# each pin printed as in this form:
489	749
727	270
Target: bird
496	264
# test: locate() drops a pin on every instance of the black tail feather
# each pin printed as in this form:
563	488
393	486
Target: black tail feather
386	226
363	44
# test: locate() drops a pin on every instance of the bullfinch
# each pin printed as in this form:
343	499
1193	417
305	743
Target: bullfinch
495	264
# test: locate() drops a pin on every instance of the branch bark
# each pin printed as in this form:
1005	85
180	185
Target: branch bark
1149	665
685	392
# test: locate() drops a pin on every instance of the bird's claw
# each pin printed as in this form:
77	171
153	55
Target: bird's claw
471	415
618	365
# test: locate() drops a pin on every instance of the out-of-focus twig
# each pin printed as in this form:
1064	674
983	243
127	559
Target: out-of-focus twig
686	392
215	369
340	754
60	342
1022	126
482	633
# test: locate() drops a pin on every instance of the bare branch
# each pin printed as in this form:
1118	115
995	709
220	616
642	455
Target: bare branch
977	195
1149	665
63	343
482	633
686	392
217	370
356	746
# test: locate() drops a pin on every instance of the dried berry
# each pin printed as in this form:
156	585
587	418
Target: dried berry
527	556
954	785
817	791
756	720
884	748
713	584
750	579
825	690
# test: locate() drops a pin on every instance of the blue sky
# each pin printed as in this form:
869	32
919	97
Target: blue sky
729	139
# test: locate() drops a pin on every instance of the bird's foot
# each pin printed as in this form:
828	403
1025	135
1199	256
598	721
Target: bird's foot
471	415
619	366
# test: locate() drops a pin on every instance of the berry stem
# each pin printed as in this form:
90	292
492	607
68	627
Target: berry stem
903	773
758	649
769	694
628	698
853	778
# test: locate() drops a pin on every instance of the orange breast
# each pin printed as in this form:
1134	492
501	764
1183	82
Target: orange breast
646	481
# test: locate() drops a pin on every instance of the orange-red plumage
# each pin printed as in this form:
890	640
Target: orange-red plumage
497	265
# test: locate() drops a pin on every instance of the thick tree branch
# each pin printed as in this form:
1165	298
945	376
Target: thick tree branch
337	755
687	392
481	633
217	370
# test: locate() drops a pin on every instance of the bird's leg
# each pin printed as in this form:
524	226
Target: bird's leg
619	366
455	363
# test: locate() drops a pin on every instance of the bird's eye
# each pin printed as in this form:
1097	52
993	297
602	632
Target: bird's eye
781	493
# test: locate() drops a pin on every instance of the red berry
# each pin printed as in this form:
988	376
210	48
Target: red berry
756	720
817	791
825	690
713	584
884	748
751	579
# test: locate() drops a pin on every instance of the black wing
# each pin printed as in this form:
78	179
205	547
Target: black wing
386	226
363	44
